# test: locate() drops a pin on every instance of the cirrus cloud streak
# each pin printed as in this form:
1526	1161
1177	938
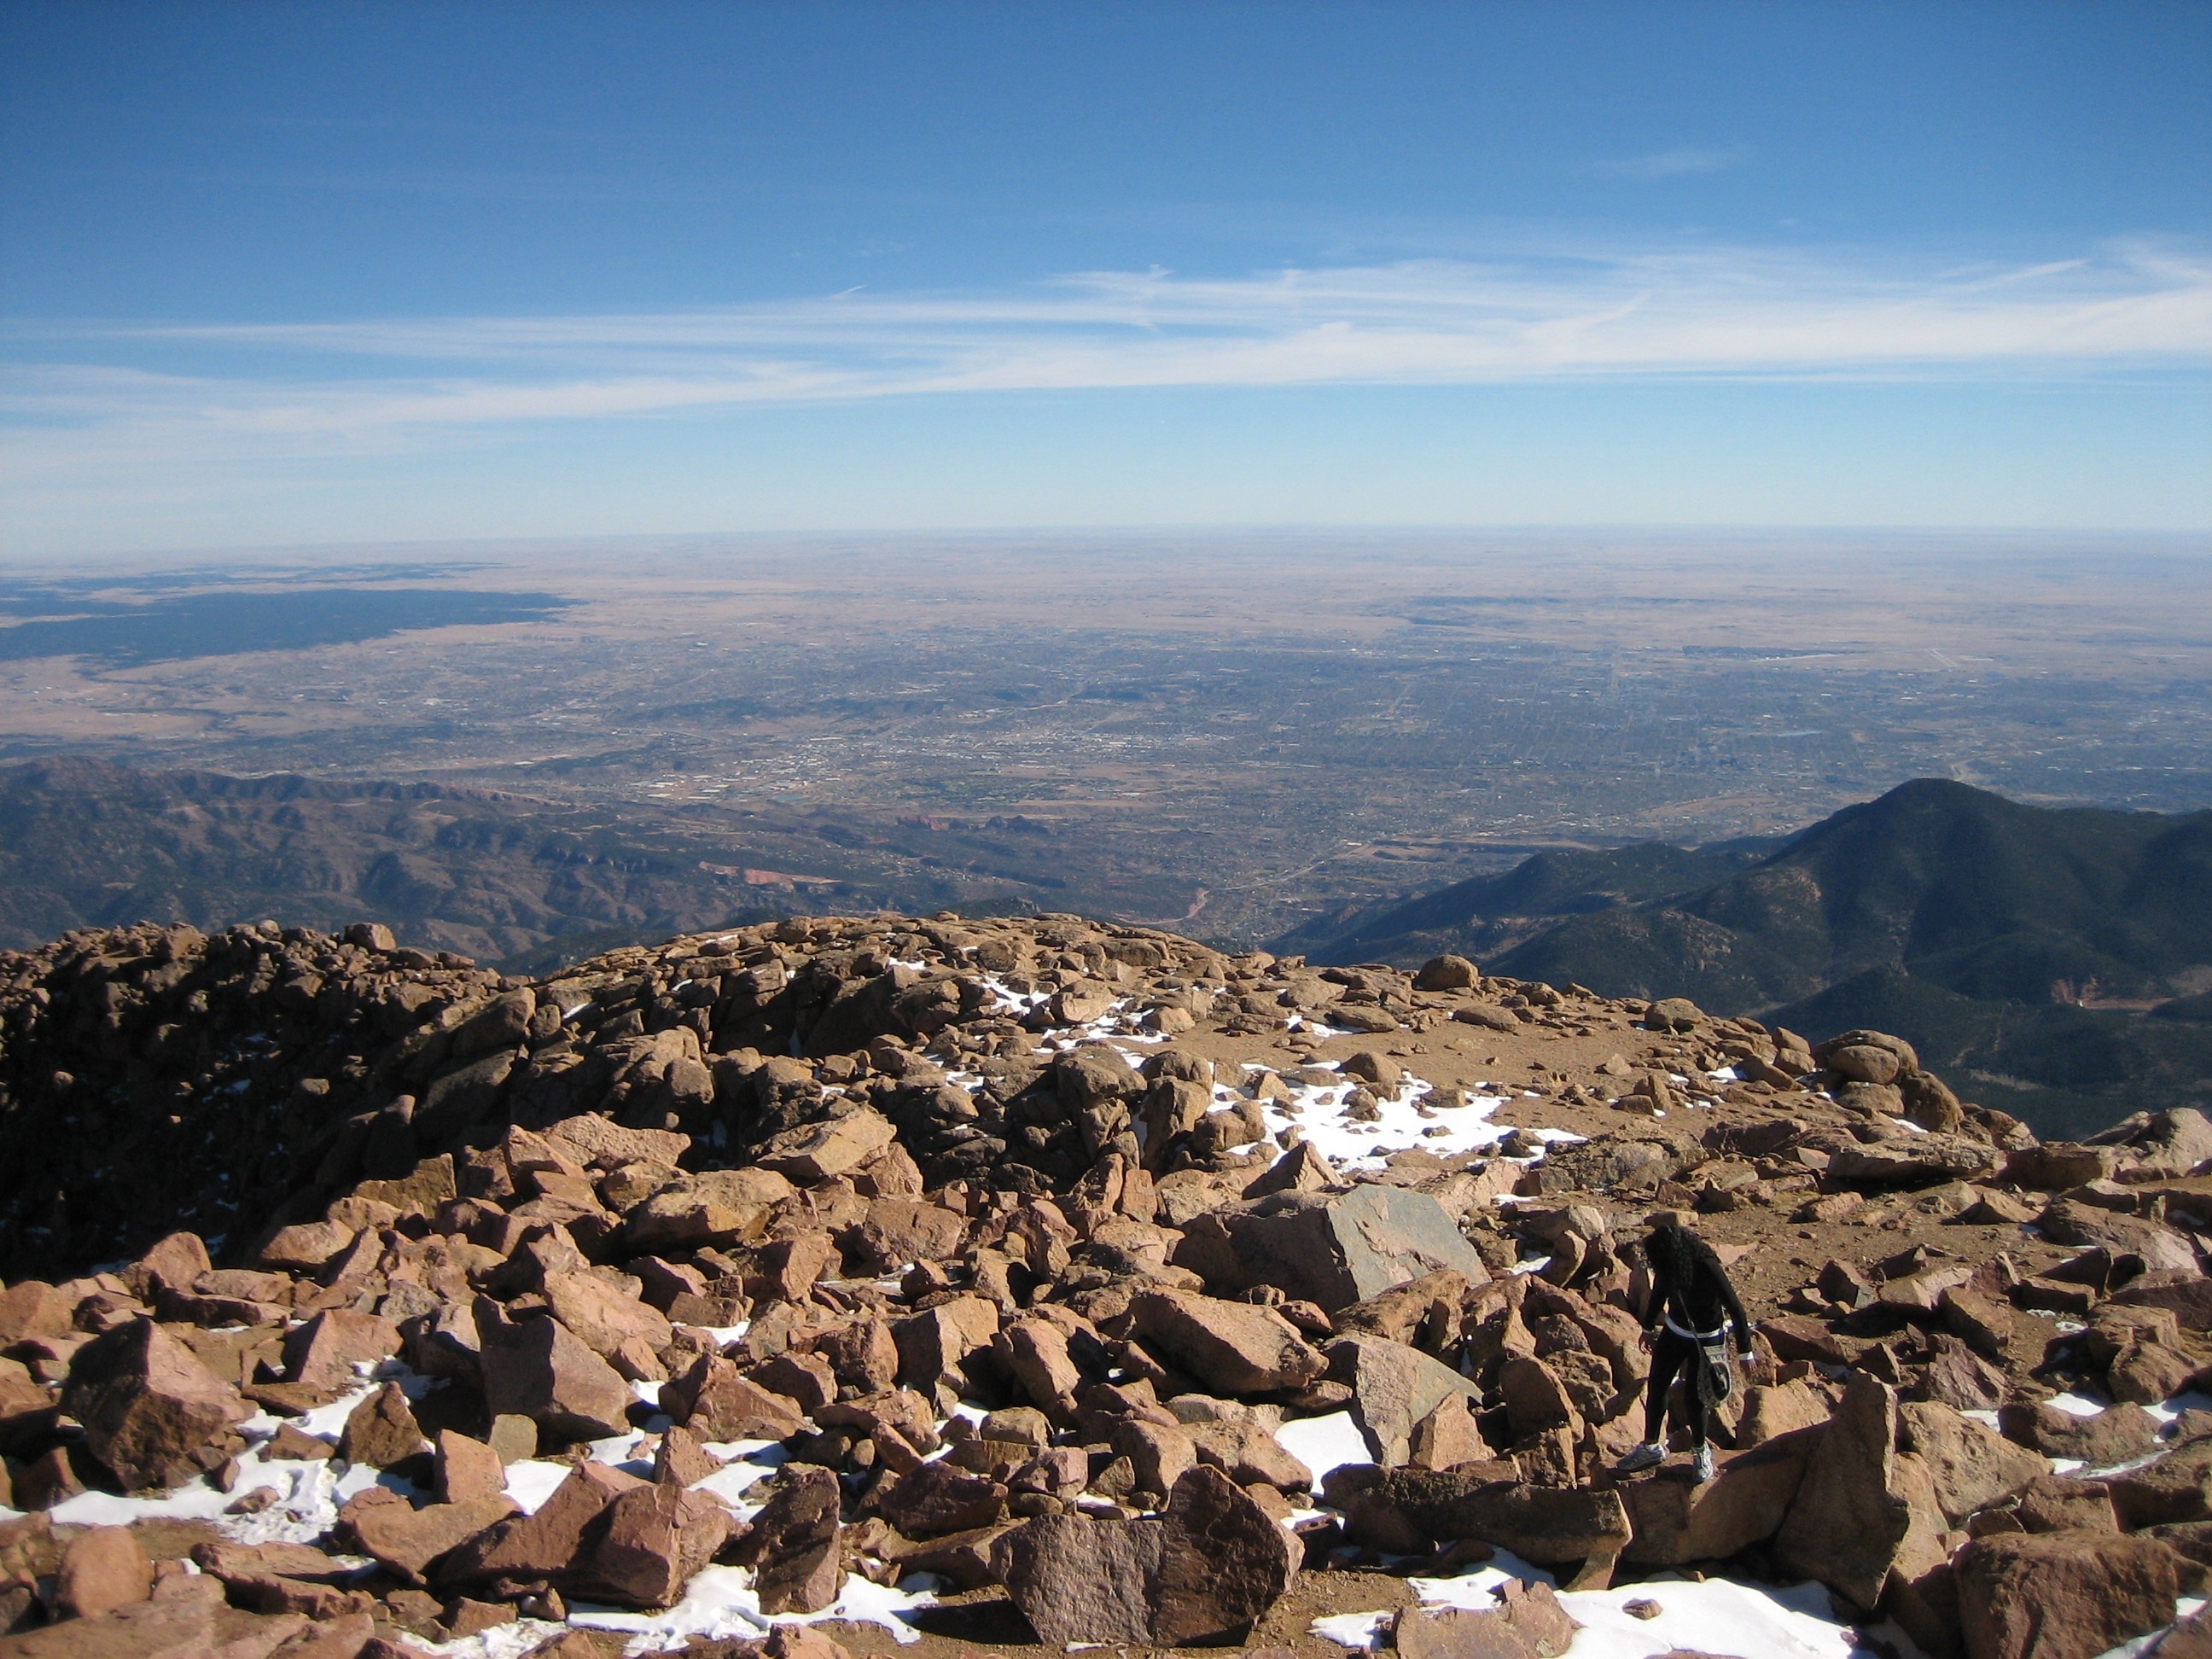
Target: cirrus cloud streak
95	396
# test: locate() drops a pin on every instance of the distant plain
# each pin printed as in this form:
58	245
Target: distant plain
1226	733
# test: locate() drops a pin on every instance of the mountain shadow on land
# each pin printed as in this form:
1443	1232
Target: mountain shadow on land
1489	914
526	883
2021	947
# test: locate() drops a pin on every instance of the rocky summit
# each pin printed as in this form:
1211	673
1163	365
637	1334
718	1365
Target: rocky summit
1009	1281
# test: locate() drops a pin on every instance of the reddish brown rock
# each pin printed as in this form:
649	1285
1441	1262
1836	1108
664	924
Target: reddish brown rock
1036	1351
2061	1595
324	1353
601	1315
173	1264
934	1342
295	1443
1854	1518
467	1469
528	1552
1676	1520
1231	1347
1955	1376
537	1368
641	1549
305	1249
1527	1623
1973	1466
939	1498
408	1540
1795	1336
794	1544
807	1380
30	1307
680	1460
2145	1373
1395	1388
862	1355
899	1231
715	1403
2112	1436
194	1624
2056	1503
381	1431
801	1641
1535	1398
1203	1572
27	1412
101	1568
1246	1453
1546	1525
1770	1412
820	1151
2175	1487
1157	1452
148	1405
46	1480
346	1636
280	1578
1333	1249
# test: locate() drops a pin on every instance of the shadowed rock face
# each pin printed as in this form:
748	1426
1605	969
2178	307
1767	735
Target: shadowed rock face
148	1406
1202	1573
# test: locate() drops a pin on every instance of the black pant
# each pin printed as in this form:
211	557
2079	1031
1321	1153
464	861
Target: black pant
1673	1356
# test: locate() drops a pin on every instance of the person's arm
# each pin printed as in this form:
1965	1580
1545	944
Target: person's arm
1734	1304
1655	1305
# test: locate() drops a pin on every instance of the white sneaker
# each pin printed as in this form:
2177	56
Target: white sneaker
1701	1465
1649	1455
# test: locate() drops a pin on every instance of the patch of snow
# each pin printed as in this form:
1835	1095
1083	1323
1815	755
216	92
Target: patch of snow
1322	1443
1718	1616
1405	1120
1360	1631
2189	1400
530	1482
749	1462
509	1641
720	1602
2075	1405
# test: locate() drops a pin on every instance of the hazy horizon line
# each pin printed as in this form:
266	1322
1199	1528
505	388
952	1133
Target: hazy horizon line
2190	541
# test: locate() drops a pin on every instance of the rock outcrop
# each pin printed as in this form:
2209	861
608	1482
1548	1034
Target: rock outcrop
1147	1215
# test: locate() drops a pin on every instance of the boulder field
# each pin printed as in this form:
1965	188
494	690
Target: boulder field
1110	1287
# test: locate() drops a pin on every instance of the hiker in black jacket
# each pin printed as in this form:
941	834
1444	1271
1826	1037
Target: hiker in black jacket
1686	1326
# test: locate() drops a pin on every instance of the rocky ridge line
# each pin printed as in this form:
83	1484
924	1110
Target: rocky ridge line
1029	1317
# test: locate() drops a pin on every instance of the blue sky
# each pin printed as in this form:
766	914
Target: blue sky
281	274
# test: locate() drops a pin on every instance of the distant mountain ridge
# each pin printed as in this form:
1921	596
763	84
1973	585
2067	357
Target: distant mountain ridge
1968	891
1491	913
2019	944
500	877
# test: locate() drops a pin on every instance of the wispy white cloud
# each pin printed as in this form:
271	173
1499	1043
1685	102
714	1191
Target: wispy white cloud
1678	162
99	397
